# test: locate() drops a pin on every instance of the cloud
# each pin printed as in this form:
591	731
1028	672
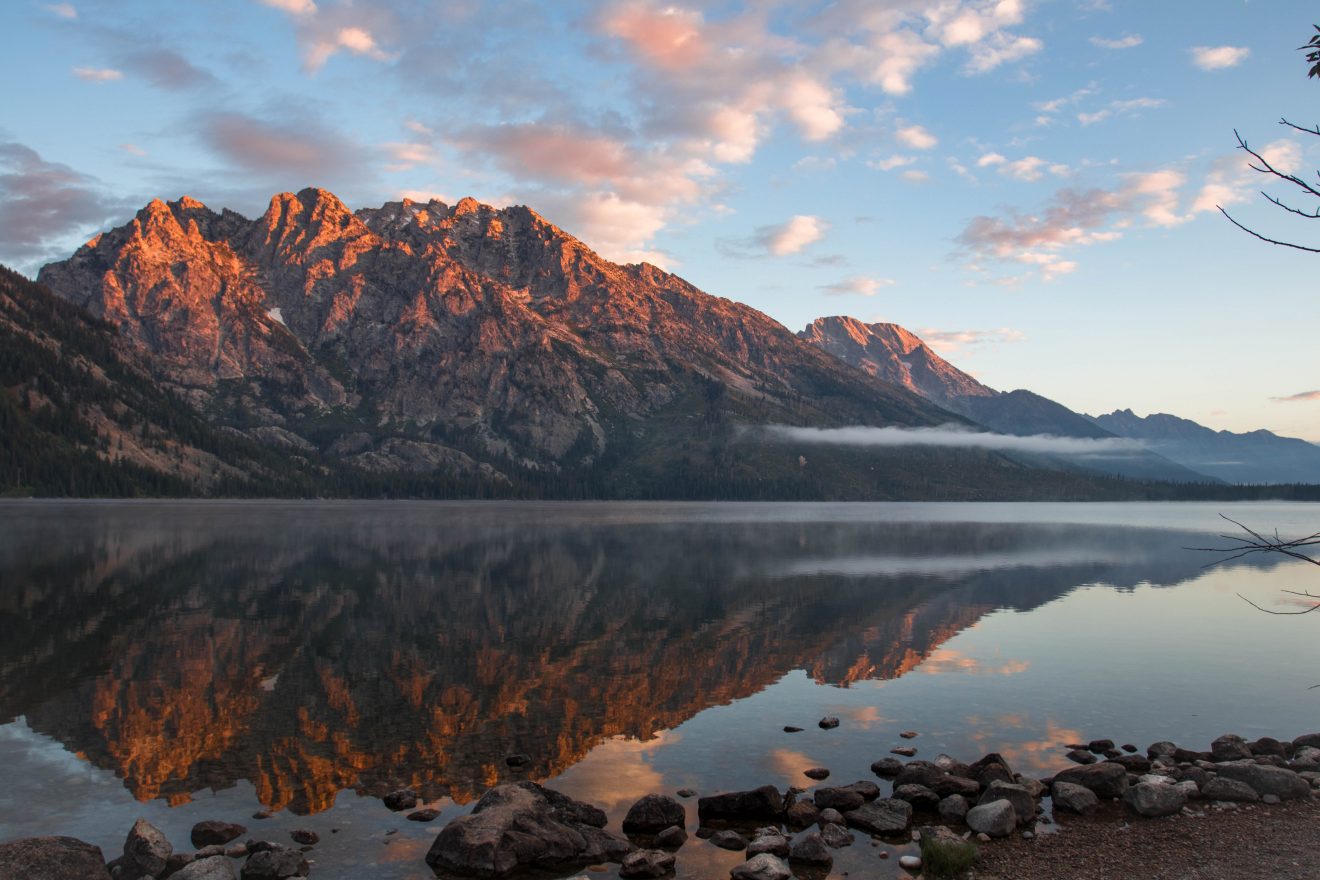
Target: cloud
97	74
945	341
1000	49
617	228
1230	179
1057	104
293	7
916	137
1127	41
133	150
793	236
860	285
990	159
894	161
1298	398
167	69
45	204
1120	108
1219	57
915	176
63	10
405	156
669	38
953	436
356	40
295	150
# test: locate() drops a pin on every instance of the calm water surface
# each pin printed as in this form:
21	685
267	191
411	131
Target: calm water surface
195	660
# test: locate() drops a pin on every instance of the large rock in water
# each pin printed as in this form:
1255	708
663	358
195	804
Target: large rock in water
885	816
653	814
276	862
760	803
1073	798
212	832
1151	799
1265	779
522	826
212	868
52	858
1106	780
762	867
146	848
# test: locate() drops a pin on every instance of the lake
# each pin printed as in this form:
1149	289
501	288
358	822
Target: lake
190	660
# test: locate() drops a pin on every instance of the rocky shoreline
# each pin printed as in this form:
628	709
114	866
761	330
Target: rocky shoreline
947	806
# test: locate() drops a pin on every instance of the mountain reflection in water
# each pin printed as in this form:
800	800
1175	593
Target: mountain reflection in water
311	648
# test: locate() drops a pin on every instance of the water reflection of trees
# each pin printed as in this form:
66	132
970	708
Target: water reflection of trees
311	650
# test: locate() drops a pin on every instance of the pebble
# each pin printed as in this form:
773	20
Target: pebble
905	751
686	793
1028	835
910	863
791	729
908	734
1270	799
816	773
829	722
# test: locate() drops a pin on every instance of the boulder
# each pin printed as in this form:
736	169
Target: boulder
403	799
647	863
810	849
52	858
1081	756
1230	747
1151	799
829	722
1265	779
989	769
275	863
953	808
887	767
816	773
831	816
1225	789
835	836
802	814
1161	749
671	838
146	849
1267	745
919	796
213	832
305	837
1307	739
1189	788
652	814
841	799
951	784
1195	774
1100	746
1106	779
522	825
1073	798
768	840
211	868
920	773
997	818
1024	805
884	816
760	803
729	840
868	790
762	867
1132	763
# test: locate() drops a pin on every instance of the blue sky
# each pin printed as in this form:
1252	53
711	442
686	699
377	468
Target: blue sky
1029	184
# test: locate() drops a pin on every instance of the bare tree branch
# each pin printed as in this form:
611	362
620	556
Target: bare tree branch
1300	247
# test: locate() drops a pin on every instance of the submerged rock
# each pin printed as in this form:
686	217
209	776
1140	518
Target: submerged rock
829	722
729	840
213	832
810	849
521	826
275	863
768	840
762	867
760	803
671	838
884	816
817	773
835	836
403	799
653	813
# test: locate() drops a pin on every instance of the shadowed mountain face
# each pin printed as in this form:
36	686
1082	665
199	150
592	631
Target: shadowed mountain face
315	648
464	338
1253	457
893	354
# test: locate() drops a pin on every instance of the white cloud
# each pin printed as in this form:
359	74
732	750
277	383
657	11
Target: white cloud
990	159
1027	168
408	155
954	436
1219	57
916	176
133	149
916	137
793	236
894	161
1001	49
417	127
813	107
1127	41
1120	108
356	40
946	341
293	7
861	285
97	74
63	10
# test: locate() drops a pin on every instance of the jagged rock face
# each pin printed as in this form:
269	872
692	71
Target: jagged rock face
491	329
891	353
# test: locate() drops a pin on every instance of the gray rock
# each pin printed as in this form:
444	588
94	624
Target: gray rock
522	825
1152	800
868	790
802	814
997	818
1277	781
212	832
919	796
1189	788
1267	745
771	842
884	816
652	814
1307	739
52	858
647	863
761	803
686	793
305	837
830	816
835	836
1271	799
275	863
990	768
1100	746
920	773
938	834
210	868
816	773
762	867
841	799
1106	779
947	785
1024	805
910	863
905	751
146	848
953	808
887	767
1132	763
810	849
1163	748
1222	788
1073	798
1034	787
729	840
237	851
1230	747
402	799
672	837
206	852
829	722
1081	756
426	814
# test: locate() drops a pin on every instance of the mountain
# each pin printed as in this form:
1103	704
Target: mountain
393	347
1253	457
893	354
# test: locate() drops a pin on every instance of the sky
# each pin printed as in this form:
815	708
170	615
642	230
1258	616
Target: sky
1030	185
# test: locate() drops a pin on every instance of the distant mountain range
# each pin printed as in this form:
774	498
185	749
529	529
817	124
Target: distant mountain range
440	350
1177	449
